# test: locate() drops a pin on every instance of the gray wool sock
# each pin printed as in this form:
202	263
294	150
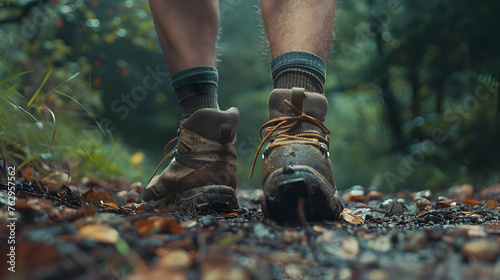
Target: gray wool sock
196	88
299	69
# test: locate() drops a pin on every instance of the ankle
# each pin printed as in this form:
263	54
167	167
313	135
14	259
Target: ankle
299	69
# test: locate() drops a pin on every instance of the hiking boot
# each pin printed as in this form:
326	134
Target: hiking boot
297	175
201	176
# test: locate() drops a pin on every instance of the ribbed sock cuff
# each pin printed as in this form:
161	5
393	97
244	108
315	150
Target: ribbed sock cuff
196	88
299	69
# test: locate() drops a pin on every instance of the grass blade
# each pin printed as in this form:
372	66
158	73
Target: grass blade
39	89
32	158
8	90
15	76
5	55
54	122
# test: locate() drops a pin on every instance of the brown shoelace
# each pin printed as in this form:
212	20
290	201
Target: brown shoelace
279	128
165	157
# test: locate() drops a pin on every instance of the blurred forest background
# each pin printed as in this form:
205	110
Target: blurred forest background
412	85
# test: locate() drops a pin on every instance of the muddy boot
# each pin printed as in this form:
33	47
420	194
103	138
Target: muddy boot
297	176
201	176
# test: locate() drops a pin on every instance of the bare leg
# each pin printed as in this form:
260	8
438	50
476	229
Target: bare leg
299	25
297	176
187	30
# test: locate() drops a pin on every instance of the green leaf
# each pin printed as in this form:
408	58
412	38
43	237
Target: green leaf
39	89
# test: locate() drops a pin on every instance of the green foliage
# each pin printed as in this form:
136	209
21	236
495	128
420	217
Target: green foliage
46	132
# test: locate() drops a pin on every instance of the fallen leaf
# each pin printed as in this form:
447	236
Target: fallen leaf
28	174
233	214
351	218
100	233
96	199
470	202
492	203
111	204
154	225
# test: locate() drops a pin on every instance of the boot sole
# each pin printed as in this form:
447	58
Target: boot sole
302	195
208	199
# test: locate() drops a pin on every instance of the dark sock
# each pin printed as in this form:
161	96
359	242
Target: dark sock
196	88
299	69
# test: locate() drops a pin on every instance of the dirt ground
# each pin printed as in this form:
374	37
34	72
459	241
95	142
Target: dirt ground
100	230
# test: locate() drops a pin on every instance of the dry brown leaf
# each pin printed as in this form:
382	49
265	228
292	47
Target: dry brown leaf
470	202
492	203
28	174
97	199
100	233
141	207
351	218
111	204
443	204
233	214
154	225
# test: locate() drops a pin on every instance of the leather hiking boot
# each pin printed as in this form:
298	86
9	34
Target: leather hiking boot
201	176
297	175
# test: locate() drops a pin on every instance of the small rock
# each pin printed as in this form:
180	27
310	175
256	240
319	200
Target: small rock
293	271
320	229
291	236
133	196
486	250
422	202
416	242
208	221
188	224
122	194
375	195
380	244
378	274
137	186
350	247
177	258
491	192
424	194
355	194
368	258
263	232
258	192
459	193
394	207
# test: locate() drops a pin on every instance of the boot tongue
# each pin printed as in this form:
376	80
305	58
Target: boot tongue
310	103
214	124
